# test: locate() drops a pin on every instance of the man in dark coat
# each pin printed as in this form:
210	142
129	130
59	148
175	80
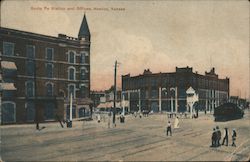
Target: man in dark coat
214	138
218	136
234	138
225	137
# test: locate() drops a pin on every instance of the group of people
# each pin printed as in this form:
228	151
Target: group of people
216	137
169	127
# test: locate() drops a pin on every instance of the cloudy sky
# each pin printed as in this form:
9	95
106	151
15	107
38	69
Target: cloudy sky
159	35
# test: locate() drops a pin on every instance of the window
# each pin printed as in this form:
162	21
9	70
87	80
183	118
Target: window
30	91
30	51
8	49
83	91
71	71
8	93
83	74
49	111
49	70
82	58
49	88
8	112
30	68
30	111
49	54
71	57
71	90
73	112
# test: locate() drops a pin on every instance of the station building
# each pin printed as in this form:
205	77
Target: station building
167	91
39	72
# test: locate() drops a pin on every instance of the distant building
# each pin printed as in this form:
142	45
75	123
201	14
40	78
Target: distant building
104	99
97	97
239	101
167	91
40	72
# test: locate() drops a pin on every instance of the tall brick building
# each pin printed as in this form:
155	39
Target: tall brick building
167	91
40	72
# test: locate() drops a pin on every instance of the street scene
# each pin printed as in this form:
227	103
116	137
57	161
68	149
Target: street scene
124	81
138	139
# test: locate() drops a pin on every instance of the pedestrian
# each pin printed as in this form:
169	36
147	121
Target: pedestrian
234	138
176	122
218	136
214	138
98	118
225	137
169	128
135	114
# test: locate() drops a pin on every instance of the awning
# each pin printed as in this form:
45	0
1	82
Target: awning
109	105
7	86
8	65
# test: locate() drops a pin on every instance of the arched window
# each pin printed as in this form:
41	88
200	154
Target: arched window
49	111
71	71
8	112
71	57
83	72
83	91
71	90
82	58
30	68
49	88
30	91
30	111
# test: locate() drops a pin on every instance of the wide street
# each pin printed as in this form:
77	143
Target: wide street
135	140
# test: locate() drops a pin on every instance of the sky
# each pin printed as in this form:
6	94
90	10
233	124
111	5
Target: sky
145	34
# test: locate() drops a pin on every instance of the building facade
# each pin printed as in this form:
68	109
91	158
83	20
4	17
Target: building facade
41	72
167	91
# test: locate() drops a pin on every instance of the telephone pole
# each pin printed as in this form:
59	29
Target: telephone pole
114	110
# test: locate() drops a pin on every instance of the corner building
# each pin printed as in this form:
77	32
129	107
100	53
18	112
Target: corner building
41	72
167	91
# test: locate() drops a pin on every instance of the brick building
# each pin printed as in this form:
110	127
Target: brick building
167	91
40	72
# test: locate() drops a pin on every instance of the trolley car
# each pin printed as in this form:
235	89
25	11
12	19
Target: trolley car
228	111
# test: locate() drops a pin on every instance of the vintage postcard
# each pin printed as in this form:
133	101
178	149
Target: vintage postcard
123	80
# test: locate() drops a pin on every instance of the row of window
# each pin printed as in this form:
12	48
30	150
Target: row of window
9	111
30	66
8	50
30	89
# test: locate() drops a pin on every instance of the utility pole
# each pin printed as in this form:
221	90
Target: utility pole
37	113
114	111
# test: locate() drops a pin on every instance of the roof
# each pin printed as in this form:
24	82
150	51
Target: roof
84	29
190	90
7	86
8	65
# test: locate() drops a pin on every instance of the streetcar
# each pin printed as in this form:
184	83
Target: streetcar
228	111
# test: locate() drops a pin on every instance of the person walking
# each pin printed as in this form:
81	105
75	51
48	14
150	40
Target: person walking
214	138
234	138
169	128
98	118
218	136
225	137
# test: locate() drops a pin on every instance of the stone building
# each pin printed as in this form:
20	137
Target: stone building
40	72
167	91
